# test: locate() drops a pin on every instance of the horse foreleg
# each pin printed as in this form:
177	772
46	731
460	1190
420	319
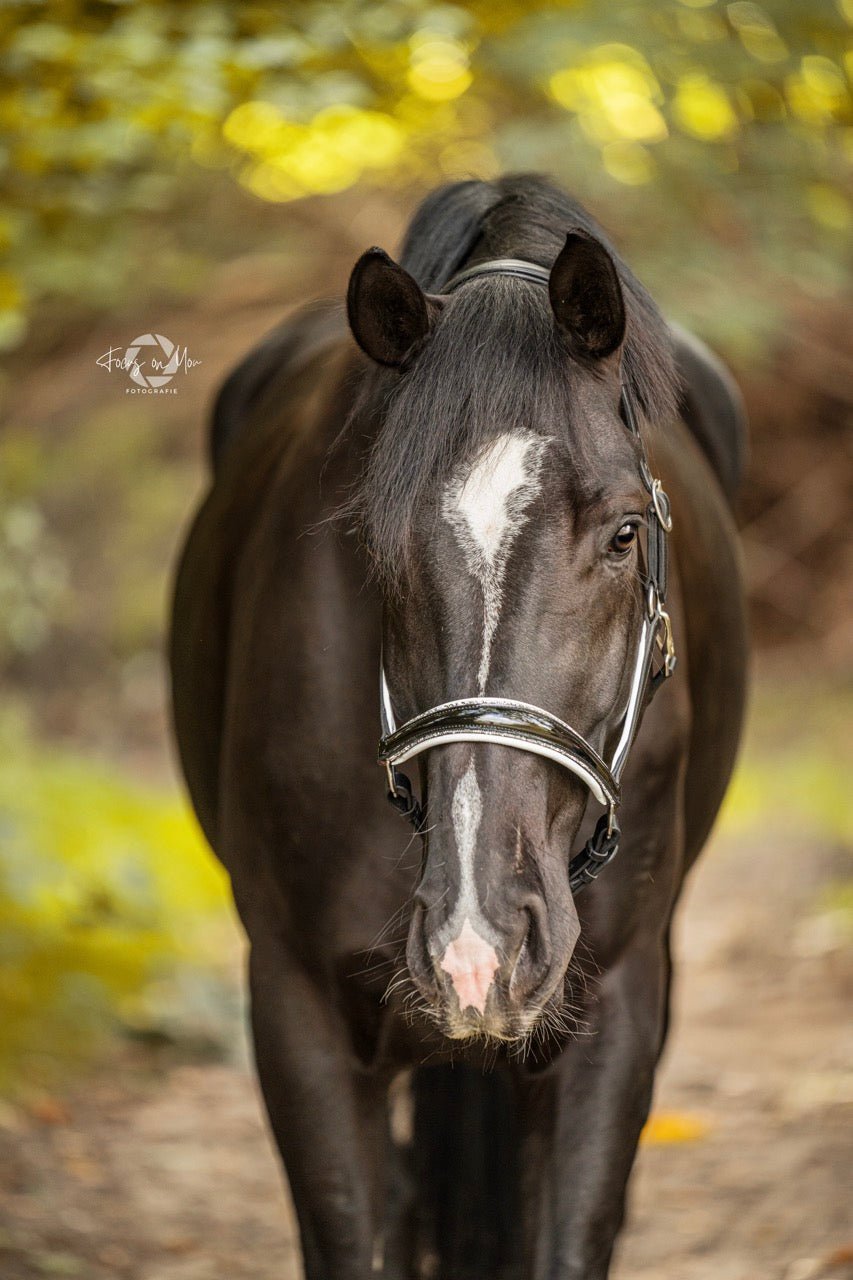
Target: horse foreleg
327	1119
581	1121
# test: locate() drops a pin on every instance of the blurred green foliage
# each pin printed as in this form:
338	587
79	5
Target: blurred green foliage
108	895
106	586
32	578
112	909
729	124
794	775
792	784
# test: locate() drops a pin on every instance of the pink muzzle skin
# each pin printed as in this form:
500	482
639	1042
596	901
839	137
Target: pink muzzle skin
471	964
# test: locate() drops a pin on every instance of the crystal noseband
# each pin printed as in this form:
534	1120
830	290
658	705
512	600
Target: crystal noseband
513	724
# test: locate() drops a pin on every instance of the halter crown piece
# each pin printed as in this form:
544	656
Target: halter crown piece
529	728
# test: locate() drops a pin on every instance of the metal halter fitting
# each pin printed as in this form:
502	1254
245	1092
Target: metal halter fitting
531	728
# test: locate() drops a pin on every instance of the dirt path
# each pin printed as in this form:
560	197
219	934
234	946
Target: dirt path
164	1171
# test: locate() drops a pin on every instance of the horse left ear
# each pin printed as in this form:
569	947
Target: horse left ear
388	311
586	295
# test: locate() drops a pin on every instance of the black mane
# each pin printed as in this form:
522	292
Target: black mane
438	410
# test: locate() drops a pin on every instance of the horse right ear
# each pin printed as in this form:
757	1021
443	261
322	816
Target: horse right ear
388	311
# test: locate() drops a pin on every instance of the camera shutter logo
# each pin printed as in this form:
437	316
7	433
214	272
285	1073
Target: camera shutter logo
150	362
164	351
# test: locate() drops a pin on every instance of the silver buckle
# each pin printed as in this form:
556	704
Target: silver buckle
667	644
665	641
660	501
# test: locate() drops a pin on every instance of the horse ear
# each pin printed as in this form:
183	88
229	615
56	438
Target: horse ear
586	295
388	312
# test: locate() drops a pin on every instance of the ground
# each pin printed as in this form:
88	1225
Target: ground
161	1168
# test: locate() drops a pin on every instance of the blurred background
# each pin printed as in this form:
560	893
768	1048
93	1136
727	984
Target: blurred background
196	170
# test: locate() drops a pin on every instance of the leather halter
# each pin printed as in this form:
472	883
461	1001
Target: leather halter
530	728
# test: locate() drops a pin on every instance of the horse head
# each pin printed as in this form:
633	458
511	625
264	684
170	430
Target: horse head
502	502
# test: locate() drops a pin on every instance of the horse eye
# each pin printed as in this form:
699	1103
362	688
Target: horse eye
623	540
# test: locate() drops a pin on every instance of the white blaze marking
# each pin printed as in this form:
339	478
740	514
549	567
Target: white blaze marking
469	960
487	509
466	812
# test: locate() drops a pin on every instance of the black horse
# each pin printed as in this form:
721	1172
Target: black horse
455	1049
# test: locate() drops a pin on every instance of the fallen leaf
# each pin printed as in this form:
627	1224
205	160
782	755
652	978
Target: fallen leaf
665	1127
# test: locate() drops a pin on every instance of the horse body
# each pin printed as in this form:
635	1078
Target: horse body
275	653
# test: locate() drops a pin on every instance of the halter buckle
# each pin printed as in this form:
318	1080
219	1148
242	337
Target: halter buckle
660	501
667	643
664	634
402	797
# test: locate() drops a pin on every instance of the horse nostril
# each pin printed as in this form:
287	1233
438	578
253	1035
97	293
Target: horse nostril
534	953
418	958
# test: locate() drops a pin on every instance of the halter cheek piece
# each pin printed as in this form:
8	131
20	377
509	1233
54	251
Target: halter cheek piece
529	728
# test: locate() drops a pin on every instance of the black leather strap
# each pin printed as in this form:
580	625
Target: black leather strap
602	846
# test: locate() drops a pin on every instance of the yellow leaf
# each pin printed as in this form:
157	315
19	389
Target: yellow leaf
667	1127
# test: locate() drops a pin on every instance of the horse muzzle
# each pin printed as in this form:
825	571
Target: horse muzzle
478	981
